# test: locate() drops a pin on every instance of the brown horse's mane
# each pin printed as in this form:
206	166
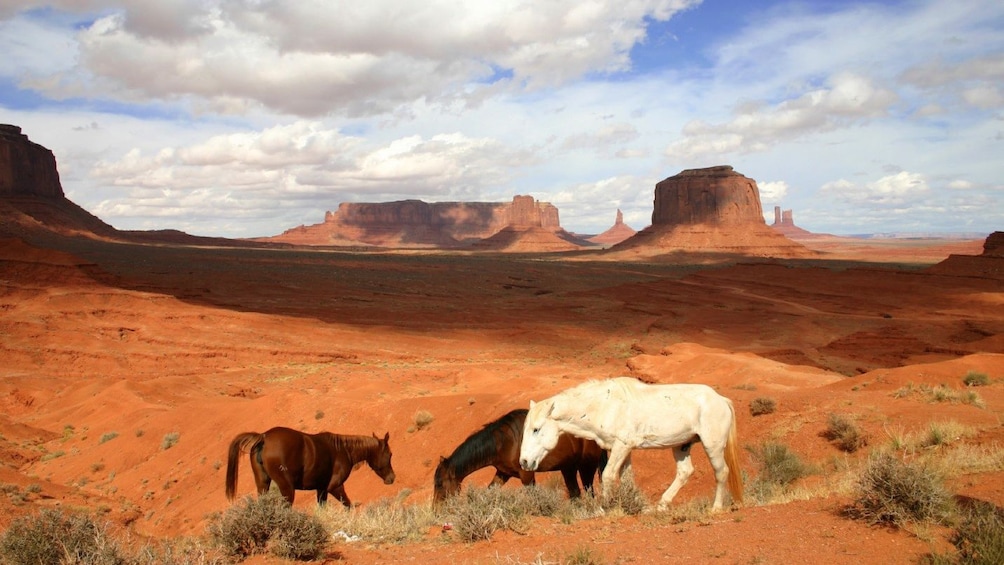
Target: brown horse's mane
359	448
481	447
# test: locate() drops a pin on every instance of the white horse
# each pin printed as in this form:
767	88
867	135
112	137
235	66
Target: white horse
622	414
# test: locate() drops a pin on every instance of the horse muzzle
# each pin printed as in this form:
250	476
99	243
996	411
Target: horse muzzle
389	479
528	465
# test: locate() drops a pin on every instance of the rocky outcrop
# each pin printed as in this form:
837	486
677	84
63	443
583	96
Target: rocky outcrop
414	223
714	212
989	264
994	245
31	196
616	234
784	223
26	168
713	196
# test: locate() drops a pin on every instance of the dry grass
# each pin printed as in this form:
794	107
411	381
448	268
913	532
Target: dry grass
384	521
941	393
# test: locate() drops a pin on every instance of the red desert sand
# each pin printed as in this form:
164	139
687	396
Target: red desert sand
109	348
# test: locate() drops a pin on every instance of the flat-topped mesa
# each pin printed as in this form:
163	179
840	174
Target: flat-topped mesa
715	195
418	223
26	168
713	212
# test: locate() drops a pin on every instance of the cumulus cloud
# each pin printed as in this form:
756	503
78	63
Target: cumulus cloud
848	98
305	161
772	192
311	58
891	190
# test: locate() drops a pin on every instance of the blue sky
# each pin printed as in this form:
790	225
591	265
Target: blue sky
239	118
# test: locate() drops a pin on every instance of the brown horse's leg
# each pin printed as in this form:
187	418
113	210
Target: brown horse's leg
339	493
571	481
261	479
527	478
500	478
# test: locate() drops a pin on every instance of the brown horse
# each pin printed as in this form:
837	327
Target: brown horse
497	444
301	461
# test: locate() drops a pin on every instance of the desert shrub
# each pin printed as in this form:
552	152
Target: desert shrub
974	378
170	440
108	436
383	521
477	513
844	433
980	535
762	405
624	495
421	419
894	492
778	466
941	393
268	524
181	551
54	537
582	555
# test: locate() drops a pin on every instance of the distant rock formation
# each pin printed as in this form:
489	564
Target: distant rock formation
616	234
785	224
26	168
529	239
713	211
989	264
414	223
31	196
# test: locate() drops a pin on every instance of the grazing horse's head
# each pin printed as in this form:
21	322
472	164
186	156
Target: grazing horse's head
379	459
445	481
540	434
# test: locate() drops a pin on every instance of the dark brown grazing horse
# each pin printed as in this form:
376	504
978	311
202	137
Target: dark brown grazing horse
497	444
301	461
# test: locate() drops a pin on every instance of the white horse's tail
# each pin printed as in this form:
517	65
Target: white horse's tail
732	460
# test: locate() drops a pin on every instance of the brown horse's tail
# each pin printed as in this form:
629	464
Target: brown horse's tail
241	444
732	460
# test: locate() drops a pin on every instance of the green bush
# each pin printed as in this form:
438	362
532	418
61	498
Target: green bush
845	434
762	405
54	537
268	524
891	491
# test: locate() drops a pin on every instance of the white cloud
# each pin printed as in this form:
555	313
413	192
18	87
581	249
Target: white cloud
891	190
848	99
772	192
312	58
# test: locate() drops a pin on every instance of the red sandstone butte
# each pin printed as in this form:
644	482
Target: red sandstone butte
715	212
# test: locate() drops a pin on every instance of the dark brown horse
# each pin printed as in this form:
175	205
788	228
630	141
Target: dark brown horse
497	444
301	461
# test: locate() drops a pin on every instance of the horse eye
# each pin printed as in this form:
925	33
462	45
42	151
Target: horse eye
535	430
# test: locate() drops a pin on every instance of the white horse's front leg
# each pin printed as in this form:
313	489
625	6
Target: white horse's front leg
684	468
619	453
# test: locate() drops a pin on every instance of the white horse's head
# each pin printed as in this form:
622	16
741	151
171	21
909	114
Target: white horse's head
540	434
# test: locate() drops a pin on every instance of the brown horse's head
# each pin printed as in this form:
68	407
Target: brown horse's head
379	459
445	483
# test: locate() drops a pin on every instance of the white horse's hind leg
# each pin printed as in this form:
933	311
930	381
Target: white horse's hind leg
684	468
717	459
619	454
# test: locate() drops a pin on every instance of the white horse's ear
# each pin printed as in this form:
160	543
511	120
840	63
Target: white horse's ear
532	404
550	410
